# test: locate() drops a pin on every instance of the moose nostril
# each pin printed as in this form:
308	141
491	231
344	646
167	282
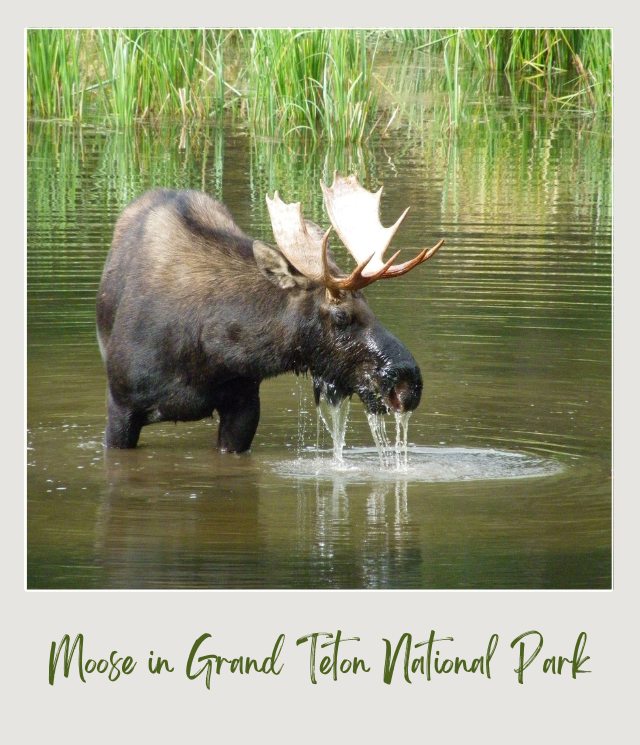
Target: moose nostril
394	400
401	397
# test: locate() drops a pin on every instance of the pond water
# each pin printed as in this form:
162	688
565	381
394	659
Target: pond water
508	477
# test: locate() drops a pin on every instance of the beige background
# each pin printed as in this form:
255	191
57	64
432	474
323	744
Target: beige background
287	708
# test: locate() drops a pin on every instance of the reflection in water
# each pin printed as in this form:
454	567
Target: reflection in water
384	519
174	513
150	537
510	324
346	536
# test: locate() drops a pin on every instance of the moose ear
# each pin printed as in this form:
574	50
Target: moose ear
276	268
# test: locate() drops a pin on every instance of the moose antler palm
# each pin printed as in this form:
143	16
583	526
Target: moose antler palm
303	243
355	215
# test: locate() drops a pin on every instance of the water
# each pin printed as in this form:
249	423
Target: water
402	440
335	418
390	456
506	482
425	464
378	427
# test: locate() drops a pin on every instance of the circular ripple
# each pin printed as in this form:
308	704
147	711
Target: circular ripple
423	464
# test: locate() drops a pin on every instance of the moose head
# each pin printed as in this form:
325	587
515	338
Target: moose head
348	351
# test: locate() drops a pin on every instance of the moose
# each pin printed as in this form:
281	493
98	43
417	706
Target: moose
192	313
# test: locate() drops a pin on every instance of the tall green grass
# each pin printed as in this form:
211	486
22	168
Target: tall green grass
312	81
571	66
55	80
153	72
126	75
323	85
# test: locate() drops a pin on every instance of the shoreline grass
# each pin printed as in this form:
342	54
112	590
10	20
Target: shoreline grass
320	84
541	56
318	81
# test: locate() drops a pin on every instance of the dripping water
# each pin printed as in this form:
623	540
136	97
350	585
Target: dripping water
402	431
391	457
303	416
335	417
377	425
332	408
333	411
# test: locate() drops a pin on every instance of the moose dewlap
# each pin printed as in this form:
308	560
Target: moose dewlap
193	314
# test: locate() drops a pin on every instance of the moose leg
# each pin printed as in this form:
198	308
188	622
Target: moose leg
239	410
123	425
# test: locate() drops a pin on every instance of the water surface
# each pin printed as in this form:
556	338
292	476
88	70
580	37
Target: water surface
510	323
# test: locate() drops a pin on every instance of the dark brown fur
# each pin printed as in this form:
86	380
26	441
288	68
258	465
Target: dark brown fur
193	314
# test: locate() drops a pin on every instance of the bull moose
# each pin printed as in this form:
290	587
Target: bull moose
192	313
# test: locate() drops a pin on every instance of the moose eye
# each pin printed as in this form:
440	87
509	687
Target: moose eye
340	317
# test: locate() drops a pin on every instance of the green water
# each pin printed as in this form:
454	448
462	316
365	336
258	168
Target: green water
510	323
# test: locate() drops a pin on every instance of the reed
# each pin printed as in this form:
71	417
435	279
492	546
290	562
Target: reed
571	66
318	84
126	75
55	85
155	72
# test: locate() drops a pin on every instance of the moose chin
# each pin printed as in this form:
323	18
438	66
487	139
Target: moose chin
193	314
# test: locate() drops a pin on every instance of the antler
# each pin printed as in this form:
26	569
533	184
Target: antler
302	242
355	214
306	246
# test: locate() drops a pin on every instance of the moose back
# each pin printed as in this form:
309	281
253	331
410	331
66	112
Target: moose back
192	314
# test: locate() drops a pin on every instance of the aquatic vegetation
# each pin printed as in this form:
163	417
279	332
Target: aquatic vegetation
541	57
126	75
324	85
55	80
152	72
318	81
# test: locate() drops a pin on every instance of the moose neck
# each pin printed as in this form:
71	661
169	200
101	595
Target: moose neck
294	328
269	327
